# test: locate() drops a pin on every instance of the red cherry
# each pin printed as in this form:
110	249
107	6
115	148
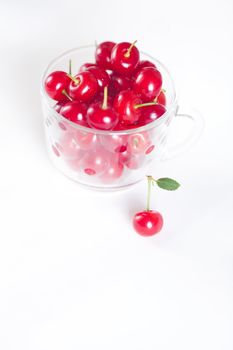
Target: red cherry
101	116
83	86
95	162
148	223
161	99
119	83
148	83
101	76
56	84
143	64
85	66
124	104
75	111
151	113
103	54
124	58
113	172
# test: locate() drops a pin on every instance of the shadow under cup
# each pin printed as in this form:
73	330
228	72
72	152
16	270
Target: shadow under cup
105	160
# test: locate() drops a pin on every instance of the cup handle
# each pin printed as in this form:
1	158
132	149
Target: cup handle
191	138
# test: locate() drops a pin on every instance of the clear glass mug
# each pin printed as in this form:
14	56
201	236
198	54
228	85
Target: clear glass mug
109	160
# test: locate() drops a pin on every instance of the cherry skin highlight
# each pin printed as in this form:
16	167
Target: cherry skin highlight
103	54
124	58
84	87
148	223
55	85
148	83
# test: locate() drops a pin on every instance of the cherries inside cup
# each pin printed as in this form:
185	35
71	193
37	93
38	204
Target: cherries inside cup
101	104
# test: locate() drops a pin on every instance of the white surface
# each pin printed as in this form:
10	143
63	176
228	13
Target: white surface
73	274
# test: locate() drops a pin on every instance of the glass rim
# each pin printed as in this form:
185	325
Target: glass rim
146	127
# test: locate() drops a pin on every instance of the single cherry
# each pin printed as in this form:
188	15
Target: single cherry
56	85
75	111
101	76
83	86
143	64
103	54
125	105
151	113
101	115
148	222
119	83
124	58
148	83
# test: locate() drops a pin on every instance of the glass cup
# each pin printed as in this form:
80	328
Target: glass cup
110	160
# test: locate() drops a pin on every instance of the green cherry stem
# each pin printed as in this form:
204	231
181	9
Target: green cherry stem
70	67
64	92
105	100
149	183
76	81
146	104
127	54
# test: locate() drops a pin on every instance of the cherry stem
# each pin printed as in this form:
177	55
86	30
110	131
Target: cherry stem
105	100
146	104
70	67
127	54
64	92
76	81
149	179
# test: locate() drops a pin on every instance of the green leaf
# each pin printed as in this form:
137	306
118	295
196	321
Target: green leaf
167	184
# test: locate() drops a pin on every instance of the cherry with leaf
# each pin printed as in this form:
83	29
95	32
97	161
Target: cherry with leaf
149	222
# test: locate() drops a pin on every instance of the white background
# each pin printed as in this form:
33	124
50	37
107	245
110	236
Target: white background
73	273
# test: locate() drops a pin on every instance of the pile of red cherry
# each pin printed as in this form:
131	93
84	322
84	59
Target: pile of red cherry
116	93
